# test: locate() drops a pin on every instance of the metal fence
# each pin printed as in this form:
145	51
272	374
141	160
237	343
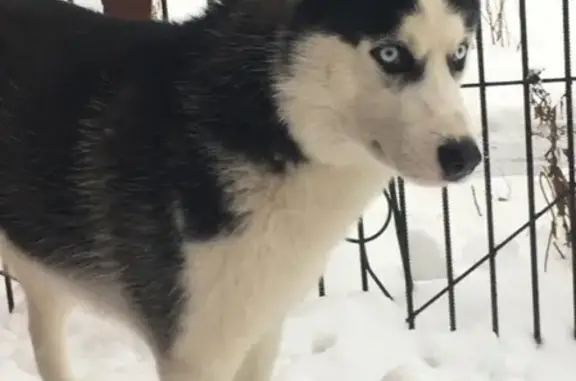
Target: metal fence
397	206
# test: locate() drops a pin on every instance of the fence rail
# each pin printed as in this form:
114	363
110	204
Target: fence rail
395	194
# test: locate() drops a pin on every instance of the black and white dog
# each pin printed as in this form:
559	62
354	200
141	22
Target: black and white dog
190	179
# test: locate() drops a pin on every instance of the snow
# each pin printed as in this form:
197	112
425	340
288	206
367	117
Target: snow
352	335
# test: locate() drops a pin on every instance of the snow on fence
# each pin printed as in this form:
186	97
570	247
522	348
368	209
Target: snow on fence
520	92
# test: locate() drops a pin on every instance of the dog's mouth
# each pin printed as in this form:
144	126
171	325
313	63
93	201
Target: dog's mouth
378	152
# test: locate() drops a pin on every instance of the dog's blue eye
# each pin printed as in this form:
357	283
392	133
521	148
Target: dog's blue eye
461	52
389	54
394	58
457	59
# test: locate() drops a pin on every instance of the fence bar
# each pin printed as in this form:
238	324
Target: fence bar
321	287
9	288
487	179
165	15
366	269
363	254
570	132
398	201
497	249
449	264
530	174
373	276
514	82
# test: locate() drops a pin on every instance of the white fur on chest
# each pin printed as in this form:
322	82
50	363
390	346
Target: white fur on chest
257	276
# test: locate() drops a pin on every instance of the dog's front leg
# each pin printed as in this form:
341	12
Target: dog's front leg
48	307
223	342
230	363
210	347
193	365
47	311
46	327
230	325
259	362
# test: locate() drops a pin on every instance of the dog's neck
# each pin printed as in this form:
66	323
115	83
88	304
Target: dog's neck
233	84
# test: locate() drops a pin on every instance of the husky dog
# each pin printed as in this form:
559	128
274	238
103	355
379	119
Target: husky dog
190	179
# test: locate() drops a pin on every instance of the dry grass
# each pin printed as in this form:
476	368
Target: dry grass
552	180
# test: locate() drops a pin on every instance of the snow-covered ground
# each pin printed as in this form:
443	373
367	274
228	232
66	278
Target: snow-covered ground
350	335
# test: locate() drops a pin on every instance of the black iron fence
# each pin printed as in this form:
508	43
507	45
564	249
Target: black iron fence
563	186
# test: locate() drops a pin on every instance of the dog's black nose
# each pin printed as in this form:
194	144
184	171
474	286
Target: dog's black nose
458	158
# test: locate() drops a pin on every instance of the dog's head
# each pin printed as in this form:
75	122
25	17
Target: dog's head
366	81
